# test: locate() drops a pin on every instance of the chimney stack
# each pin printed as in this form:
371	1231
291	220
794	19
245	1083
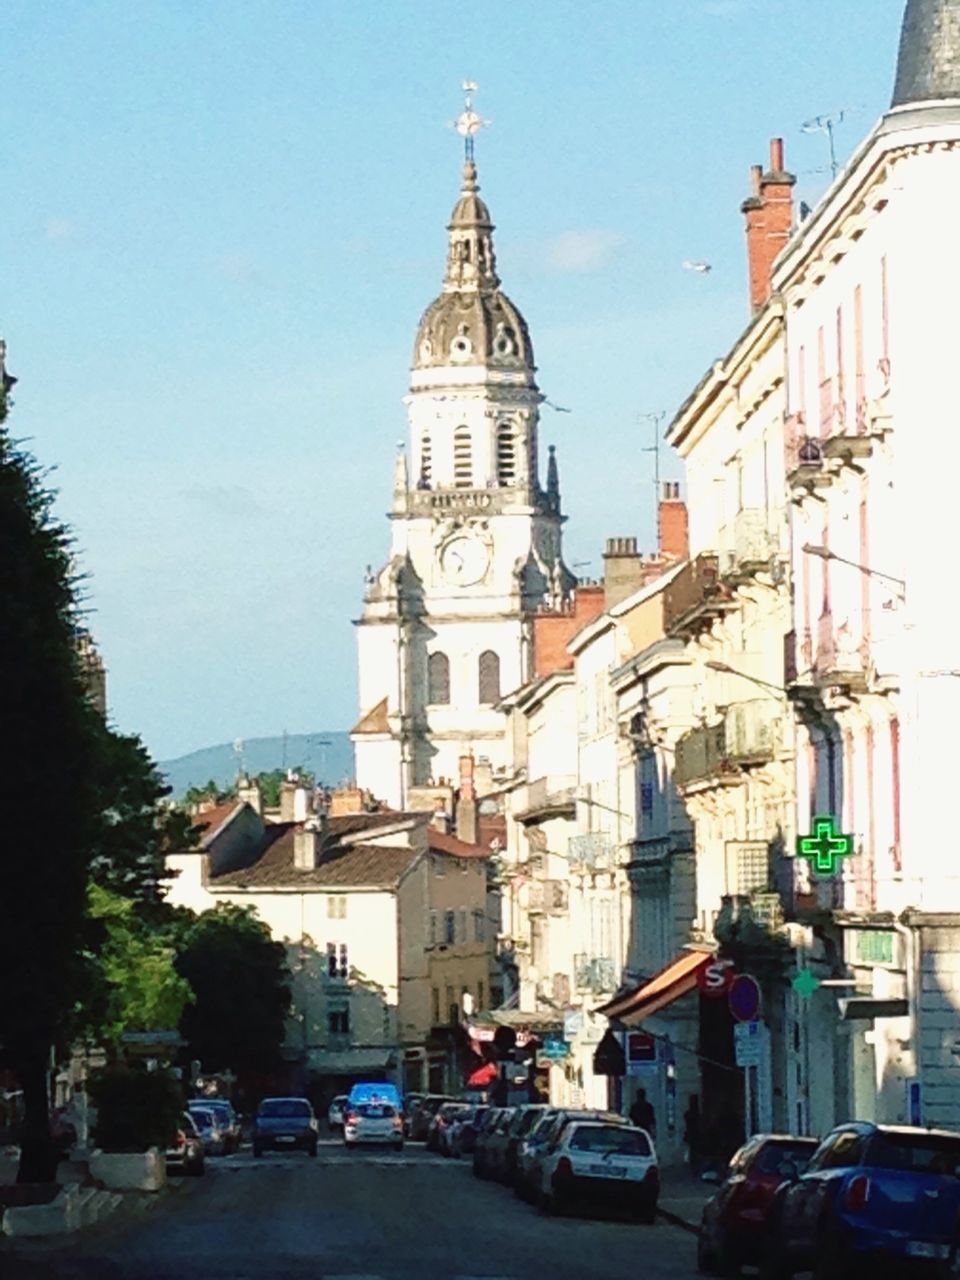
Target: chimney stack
769	214
672	523
306	846
467	802
623	570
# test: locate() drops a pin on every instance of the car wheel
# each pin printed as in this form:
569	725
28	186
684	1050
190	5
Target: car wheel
774	1263
312	1151
647	1214
831	1260
257	1150
706	1263
398	1146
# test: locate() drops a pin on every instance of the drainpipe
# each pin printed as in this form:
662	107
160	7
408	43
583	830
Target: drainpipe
912	960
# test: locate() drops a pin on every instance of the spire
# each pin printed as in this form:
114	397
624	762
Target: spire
928	68
470	260
401	478
553	477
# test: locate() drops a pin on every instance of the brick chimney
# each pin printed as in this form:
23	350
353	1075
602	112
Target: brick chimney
467	802
769	214
672	523
623	570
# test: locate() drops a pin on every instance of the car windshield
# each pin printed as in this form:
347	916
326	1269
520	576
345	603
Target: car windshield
772	1155
527	1121
915	1153
203	1117
375	1110
612	1138
284	1108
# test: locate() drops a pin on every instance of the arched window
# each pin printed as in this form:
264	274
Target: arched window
462	459
489	671
438	679
426	461
506	455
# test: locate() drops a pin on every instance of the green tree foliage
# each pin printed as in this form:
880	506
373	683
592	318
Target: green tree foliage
211	790
47	796
132	982
136	1109
240	979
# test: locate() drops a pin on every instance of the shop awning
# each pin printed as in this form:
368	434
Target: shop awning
675	980
483	1076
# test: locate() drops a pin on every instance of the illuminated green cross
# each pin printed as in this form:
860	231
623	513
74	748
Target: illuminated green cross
825	847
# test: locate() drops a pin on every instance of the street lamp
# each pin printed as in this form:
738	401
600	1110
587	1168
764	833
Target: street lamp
824	553
725	669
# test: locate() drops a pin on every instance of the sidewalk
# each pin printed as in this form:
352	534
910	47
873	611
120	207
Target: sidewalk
682	1197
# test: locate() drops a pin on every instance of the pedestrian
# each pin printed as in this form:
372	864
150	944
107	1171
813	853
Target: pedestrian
642	1113
693	1134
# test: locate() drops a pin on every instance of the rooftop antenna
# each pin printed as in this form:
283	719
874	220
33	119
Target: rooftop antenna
468	123
827	124
655	419
238	752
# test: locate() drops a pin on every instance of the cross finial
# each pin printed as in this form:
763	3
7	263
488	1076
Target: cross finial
468	123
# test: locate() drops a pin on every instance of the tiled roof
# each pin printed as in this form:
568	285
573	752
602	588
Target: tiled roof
211	820
374	721
359	865
460	848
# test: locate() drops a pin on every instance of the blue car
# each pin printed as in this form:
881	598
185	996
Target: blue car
873	1197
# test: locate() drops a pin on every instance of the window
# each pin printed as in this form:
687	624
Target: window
489	671
433	928
438	679
461	926
337	906
481	996
338	1020
337	962
435	1006
506	455
479	926
450	927
426	461
462	459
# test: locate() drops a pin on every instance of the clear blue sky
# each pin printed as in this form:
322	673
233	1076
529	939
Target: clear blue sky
221	219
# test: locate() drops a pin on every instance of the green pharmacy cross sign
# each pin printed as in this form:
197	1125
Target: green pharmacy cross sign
825	847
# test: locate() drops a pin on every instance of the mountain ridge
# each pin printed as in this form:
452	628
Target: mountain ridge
327	754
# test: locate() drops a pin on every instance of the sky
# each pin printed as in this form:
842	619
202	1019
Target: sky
220	221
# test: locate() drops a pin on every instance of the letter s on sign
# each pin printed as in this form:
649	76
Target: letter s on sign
715	978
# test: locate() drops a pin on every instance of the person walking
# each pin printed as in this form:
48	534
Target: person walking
642	1113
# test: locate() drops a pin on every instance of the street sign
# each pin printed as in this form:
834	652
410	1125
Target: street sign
744	998
747	1043
805	983
914	1103
641	1052
714	979
825	847
572	1024
554	1049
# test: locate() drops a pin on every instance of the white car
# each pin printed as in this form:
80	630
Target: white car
373	1122
599	1163
335	1111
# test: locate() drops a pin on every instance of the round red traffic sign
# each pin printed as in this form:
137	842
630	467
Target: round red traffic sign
744	998
714	979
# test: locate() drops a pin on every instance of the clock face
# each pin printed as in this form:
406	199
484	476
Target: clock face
464	561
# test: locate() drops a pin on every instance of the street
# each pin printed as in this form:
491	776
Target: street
356	1216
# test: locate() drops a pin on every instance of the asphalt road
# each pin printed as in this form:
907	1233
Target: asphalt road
357	1215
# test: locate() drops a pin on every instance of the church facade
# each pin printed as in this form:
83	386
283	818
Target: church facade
475	548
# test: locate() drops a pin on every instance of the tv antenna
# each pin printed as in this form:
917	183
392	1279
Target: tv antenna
238	752
827	124
655	419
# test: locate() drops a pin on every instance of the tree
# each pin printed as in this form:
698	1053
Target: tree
271	780
47	795
211	790
240	979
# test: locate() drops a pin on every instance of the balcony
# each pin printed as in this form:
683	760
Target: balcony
717	754
594	852
552	796
752	731
851	442
547	897
596	974
701	757
805	462
749	544
839	661
695	597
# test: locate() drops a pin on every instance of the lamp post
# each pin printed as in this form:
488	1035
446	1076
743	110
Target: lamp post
824	553
725	669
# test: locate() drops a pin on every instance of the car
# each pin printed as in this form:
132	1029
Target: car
488	1159
228	1122
872	1197
442	1117
504	1151
452	1115
463	1139
285	1124
551	1136
595	1162
377	1091
485	1130
185	1154
733	1225
208	1124
335	1111
420	1119
378	1122
528	1149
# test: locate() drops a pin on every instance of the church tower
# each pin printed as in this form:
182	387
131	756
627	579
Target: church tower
475	547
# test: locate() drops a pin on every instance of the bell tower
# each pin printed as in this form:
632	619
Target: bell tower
475	547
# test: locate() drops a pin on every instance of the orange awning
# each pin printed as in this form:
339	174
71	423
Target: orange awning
677	979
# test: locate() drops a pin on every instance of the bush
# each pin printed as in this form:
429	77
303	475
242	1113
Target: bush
136	1110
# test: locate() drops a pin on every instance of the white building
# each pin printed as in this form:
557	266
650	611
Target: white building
475	537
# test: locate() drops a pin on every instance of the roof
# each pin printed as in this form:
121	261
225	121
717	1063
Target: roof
373	721
674	980
212	821
354	866
442	843
928	66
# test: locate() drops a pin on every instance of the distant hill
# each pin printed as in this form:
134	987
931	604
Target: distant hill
331	763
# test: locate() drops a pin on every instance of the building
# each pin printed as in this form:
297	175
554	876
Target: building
475	551
384	921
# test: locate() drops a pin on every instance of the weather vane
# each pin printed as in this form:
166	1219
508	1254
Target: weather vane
468	123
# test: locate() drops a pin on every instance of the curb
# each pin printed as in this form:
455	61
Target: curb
675	1220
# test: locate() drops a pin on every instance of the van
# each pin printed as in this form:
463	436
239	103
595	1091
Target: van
376	1092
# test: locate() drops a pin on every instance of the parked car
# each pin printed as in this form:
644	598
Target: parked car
453	1115
527	1151
208	1123
284	1123
186	1153
484	1131
227	1120
486	1156
504	1149
463	1138
551	1136
871	1195
442	1117
420	1119
335	1112
732	1230
600	1163
373	1122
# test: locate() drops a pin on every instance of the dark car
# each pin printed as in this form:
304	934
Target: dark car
873	1197
284	1123
185	1154
445	1113
227	1120
732	1230
490	1139
505	1153
544	1137
465	1138
420	1118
